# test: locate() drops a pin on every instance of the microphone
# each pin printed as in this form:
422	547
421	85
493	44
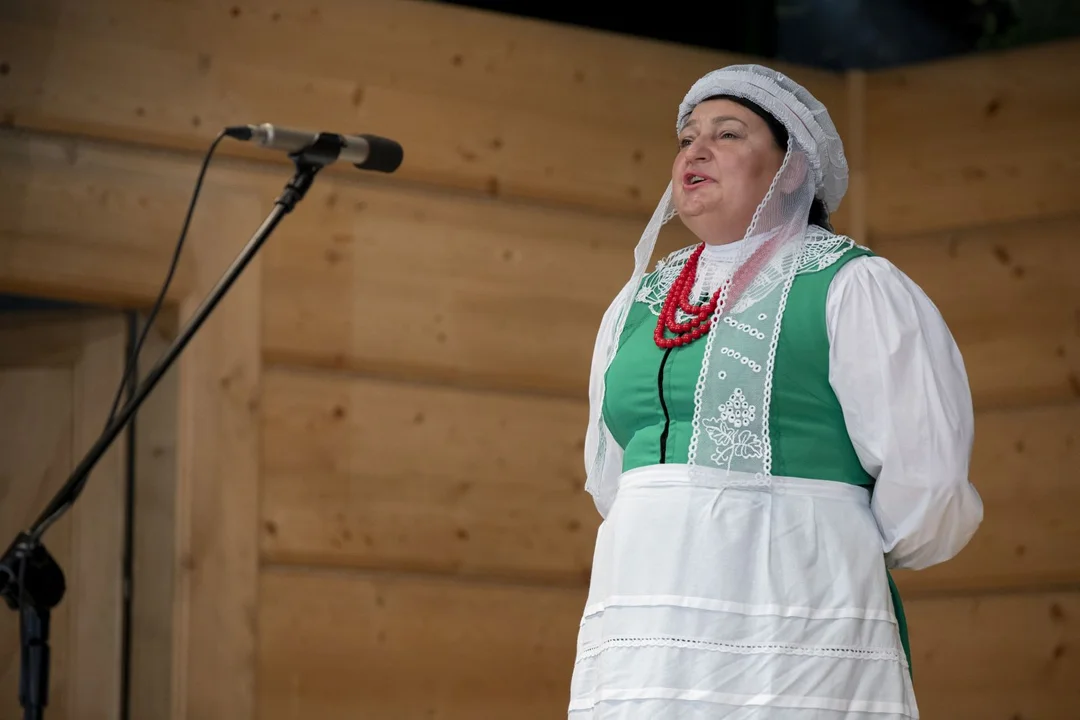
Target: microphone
366	152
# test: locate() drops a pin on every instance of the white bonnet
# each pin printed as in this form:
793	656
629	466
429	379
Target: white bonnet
806	119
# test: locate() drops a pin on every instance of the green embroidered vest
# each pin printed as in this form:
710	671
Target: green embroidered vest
806	425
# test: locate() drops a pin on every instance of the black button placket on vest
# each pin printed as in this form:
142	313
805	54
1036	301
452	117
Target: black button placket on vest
663	405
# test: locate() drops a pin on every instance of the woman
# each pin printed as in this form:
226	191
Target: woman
778	417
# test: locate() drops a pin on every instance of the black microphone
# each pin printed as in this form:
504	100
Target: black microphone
366	152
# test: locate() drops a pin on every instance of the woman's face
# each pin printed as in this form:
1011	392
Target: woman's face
726	162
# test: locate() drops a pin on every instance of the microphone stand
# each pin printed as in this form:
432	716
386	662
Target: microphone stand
31	581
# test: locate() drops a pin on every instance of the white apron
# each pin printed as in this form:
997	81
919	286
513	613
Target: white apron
737	598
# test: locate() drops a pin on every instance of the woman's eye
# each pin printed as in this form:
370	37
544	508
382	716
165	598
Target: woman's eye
685	141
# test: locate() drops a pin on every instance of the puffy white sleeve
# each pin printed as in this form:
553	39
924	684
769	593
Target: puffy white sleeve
901	381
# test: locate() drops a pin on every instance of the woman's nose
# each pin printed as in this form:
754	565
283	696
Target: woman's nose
697	150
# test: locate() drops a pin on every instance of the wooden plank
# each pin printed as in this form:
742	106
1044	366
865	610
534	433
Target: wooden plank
479	100
154	536
216	547
339	646
489	270
479	293
80	222
95	576
335	645
997	657
367	474
852	218
972	141
370	474
1024	467
1011	297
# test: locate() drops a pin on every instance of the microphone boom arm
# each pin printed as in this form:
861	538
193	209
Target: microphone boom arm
31	581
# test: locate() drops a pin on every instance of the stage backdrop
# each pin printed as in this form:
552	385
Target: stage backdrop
377	497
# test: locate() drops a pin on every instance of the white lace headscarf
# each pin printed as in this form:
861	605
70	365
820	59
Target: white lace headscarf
814	166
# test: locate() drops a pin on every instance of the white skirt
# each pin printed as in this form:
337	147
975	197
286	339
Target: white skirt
727	597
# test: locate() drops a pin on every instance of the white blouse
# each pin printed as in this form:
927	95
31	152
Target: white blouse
900	379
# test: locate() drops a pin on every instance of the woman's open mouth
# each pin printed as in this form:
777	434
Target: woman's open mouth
695	180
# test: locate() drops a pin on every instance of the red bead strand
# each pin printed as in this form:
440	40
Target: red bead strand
678	298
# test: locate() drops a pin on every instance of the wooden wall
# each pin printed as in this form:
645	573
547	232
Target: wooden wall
973	189
380	511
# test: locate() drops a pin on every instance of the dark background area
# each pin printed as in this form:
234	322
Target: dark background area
829	34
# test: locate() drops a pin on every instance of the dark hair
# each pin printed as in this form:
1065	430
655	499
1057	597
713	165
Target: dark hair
818	215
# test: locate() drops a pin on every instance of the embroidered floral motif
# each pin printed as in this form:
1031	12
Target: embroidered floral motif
729	433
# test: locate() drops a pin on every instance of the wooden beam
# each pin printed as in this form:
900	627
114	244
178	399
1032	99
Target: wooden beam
367	474
472	292
852	219
987	138
1011	297
479	100
370	474
996	656
79	222
488	271
334	643
154	538
216	548
412	647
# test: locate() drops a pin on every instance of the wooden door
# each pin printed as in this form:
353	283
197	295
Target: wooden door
59	372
